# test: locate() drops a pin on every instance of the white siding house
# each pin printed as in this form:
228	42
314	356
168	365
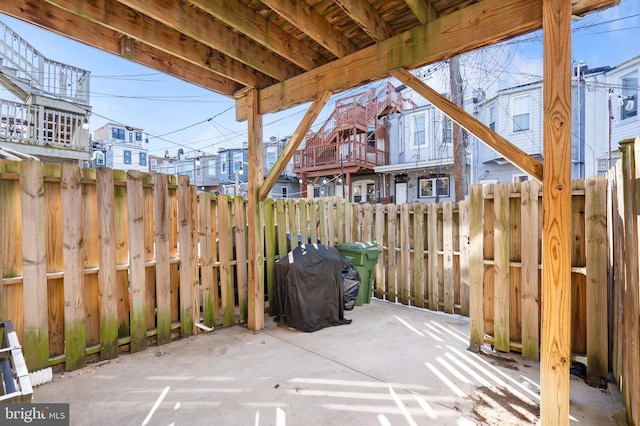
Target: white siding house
611	112
420	158
125	147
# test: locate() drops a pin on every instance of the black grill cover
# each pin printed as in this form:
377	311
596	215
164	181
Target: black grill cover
309	288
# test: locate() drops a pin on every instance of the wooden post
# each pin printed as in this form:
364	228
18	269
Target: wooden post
73	253
254	213
137	279
556	203
107	274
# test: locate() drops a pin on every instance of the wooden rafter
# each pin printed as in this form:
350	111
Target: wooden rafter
261	30
362	12
81	29
314	25
186	20
109	14
422	9
478	25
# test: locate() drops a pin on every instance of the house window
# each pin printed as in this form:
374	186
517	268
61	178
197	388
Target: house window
143	159
272	156
127	157
520	111
430	187
519	178
138	136
212	167
154	165
238	158
419	134
117	133
224	166
99	158
492	117
447	133
130	137
284	192
629	104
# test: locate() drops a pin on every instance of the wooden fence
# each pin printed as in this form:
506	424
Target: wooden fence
625	291
99	261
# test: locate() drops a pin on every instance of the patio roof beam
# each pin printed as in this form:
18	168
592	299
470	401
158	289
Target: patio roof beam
472	27
293	144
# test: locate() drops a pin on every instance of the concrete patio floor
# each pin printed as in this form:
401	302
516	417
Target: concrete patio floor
393	365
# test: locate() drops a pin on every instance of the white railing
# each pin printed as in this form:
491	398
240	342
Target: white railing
37	125
31	67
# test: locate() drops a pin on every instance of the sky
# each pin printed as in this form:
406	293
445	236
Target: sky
176	114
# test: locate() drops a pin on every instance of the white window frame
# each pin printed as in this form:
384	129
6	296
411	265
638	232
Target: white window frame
428	188
629	84
126	160
414	130
493	110
518	111
519	177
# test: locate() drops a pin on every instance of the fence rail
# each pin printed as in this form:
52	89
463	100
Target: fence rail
98	261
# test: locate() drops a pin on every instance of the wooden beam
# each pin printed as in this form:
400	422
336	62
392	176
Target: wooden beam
294	142
67	24
363	13
177	67
310	22
422	9
113	15
473	27
255	26
555	354
255	320
185	20
509	151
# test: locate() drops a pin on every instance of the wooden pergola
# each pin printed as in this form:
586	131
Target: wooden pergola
271	55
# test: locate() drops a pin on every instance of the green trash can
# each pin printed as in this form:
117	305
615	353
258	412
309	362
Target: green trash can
364	257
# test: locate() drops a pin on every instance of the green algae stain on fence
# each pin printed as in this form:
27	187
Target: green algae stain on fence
75	345
36	348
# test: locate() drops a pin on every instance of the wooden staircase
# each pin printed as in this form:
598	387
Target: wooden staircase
353	137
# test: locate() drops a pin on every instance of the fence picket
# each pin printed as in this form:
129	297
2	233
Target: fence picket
418	275
137	280
447	256
501	290
404	255
270	243
162	268
240	223
476	268
597	285
73	251
189	306
107	277
463	248
225	250
206	240
530	269
379	276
